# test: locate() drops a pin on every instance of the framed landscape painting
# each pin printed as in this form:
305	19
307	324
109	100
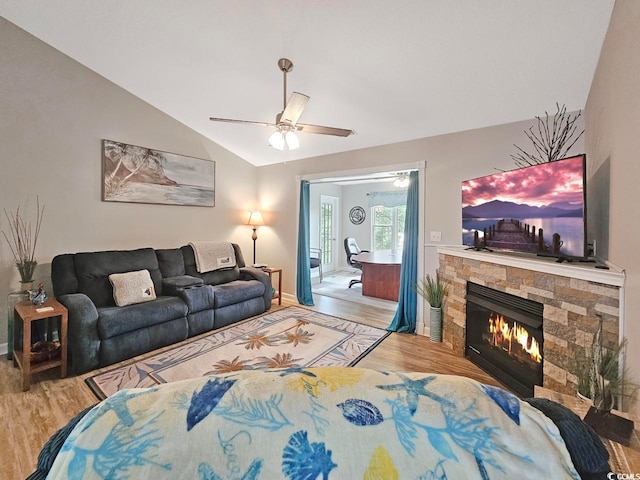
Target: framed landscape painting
142	175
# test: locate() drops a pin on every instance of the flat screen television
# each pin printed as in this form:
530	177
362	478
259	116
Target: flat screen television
538	209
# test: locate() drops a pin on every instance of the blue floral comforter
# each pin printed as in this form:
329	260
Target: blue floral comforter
303	424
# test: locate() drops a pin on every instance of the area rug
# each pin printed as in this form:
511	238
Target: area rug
287	338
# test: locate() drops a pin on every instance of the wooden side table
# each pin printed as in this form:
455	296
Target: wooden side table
270	271
622	459
24	314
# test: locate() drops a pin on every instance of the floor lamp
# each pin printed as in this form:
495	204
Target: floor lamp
255	220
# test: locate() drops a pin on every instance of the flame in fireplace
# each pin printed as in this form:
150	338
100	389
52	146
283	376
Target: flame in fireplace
511	337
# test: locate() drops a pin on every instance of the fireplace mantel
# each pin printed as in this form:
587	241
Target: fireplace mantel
582	271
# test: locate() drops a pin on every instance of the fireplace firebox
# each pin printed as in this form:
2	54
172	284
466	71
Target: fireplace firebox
504	337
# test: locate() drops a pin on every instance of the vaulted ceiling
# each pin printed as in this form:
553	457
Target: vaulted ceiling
392	70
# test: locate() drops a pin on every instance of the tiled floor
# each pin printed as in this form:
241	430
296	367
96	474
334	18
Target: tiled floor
336	284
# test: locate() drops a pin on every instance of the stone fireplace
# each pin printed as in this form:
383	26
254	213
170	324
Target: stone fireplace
572	297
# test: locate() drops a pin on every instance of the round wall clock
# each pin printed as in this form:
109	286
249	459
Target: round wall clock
357	215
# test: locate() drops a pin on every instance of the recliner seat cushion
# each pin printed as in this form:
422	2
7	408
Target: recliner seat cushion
114	321
93	270
236	292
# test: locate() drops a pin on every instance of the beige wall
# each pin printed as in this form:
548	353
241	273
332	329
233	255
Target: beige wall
613	147
54	113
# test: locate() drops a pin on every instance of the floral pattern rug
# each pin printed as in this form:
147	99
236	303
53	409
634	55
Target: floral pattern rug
291	337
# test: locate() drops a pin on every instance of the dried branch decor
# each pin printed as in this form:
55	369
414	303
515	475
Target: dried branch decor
22	240
600	376
553	139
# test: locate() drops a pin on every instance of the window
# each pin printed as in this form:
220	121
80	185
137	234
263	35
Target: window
387	227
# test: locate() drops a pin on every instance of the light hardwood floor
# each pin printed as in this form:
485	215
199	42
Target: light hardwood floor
30	418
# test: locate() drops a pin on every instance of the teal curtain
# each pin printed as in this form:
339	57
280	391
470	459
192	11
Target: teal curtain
303	280
404	320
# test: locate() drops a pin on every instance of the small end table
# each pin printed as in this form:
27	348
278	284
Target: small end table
270	271
24	313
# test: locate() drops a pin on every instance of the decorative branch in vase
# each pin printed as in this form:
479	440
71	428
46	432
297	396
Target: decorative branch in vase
22	239
552	141
603	380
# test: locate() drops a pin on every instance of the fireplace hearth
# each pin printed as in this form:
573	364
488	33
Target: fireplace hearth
504	337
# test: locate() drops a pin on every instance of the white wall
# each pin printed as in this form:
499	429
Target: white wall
356	195
54	113
349	195
359	195
613	146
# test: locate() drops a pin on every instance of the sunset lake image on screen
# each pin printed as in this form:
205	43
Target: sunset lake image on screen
512	207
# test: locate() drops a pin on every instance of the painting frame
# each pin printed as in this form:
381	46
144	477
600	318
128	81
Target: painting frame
136	174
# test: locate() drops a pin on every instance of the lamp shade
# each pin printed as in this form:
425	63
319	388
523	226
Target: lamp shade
255	219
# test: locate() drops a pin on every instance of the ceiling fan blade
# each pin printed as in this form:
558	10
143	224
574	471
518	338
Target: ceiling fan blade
339	132
293	110
246	122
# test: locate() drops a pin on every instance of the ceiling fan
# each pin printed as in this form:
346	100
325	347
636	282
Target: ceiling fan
286	123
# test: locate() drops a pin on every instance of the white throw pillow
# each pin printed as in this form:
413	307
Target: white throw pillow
132	287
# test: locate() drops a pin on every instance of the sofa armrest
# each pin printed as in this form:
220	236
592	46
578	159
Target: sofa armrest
171	286
84	343
251	273
198	297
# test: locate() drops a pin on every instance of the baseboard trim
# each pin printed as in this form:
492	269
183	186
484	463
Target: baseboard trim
289	297
4	348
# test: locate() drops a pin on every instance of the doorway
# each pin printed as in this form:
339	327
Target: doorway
331	202
307	284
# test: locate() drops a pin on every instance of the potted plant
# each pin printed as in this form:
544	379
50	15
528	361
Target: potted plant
433	290
22	239
605	384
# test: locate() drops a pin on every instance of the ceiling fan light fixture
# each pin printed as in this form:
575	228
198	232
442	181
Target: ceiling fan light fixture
284	139
286	124
402	181
292	140
276	140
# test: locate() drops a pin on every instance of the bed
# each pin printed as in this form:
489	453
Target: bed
330	422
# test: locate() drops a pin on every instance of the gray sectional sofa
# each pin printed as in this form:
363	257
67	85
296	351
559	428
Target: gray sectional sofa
188	303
